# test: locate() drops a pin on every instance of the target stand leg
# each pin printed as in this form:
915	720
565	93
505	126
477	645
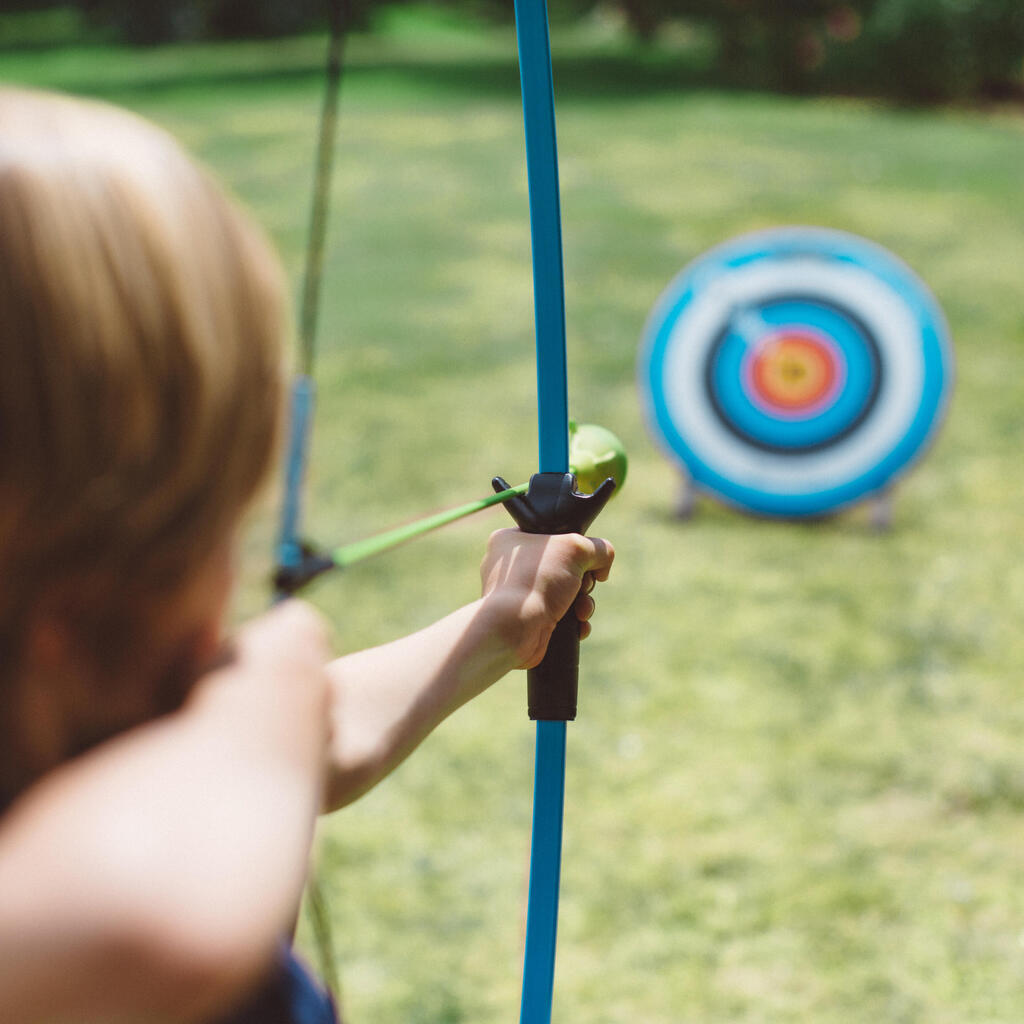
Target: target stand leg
880	511
686	502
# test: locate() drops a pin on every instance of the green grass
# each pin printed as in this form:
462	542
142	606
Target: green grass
796	788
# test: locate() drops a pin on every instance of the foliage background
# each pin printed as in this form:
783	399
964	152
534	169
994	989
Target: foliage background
796	786
911	49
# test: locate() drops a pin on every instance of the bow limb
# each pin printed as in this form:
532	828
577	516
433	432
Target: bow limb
553	420
546	233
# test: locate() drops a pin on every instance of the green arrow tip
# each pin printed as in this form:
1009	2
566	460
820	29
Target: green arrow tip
595	454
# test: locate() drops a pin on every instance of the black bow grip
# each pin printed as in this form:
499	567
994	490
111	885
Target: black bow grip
553	505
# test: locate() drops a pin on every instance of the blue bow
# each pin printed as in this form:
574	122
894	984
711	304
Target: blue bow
553	432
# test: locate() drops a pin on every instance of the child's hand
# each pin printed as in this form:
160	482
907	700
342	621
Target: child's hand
535	579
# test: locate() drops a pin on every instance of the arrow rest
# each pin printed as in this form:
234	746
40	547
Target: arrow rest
552	505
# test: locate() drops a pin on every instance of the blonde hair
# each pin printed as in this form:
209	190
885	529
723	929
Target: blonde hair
141	319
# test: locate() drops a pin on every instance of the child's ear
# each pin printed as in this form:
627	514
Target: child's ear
47	645
44	696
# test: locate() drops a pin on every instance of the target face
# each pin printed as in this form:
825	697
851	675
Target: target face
795	371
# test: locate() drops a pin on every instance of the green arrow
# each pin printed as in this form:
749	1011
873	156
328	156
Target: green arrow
349	554
595	454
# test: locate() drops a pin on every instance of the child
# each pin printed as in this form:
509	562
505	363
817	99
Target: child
157	796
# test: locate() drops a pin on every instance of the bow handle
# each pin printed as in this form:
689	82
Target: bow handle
553	505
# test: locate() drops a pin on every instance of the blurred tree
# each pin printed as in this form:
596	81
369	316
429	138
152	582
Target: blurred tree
179	20
919	49
938	49
760	42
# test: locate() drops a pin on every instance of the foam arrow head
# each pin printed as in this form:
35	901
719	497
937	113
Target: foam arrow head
595	454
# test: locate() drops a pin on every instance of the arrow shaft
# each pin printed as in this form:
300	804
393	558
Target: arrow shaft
349	554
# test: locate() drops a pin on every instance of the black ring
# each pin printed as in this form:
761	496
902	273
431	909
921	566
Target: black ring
767	446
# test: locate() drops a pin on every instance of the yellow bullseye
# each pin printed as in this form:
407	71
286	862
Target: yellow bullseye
793	372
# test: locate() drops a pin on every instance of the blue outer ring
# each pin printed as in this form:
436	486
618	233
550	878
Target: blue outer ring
775	244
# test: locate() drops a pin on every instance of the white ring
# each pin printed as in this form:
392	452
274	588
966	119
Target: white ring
883	313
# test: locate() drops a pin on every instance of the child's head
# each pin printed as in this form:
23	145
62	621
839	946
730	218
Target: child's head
140	331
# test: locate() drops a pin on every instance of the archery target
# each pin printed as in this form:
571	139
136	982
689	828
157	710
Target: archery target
796	370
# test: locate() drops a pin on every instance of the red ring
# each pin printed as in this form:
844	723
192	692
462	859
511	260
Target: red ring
794	371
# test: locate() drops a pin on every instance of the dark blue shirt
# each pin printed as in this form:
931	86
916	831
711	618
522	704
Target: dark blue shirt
288	996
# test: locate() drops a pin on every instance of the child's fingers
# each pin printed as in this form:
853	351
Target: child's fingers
595	557
584	607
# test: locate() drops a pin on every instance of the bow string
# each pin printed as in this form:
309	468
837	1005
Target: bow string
290	550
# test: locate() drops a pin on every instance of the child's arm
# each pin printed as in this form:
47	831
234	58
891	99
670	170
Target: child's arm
387	699
150	879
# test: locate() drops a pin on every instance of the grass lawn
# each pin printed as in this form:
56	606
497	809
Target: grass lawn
796	787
